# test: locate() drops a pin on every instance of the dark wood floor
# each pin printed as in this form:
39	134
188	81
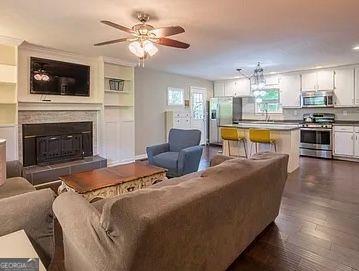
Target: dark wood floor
318	225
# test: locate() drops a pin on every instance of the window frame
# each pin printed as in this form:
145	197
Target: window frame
278	101
169	89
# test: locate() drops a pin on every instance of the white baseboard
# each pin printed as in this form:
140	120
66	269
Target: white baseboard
122	162
141	156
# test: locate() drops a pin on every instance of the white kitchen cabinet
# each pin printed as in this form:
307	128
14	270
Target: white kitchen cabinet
272	80
344	143
325	80
243	87
344	140
179	120
289	86
356	145
309	81
229	87
356	94
344	87
237	87
318	80
218	88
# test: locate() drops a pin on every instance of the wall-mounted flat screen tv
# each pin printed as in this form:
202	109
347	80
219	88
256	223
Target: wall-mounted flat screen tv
52	77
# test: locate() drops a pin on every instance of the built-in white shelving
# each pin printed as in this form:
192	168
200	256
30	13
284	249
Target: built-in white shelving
119	114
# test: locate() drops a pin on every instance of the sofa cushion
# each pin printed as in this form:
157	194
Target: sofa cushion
167	160
15	186
182	139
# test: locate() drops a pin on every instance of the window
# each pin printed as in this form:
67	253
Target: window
175	96
268	101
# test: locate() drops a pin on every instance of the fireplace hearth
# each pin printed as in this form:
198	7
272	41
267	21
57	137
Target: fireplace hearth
50	143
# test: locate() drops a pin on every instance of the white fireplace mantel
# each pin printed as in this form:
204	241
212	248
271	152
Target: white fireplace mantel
57	106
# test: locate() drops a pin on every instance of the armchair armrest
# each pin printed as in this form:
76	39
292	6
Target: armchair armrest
156	149
188	159
83	235
32	212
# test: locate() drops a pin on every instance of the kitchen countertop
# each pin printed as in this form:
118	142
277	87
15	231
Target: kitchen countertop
346	122
272	125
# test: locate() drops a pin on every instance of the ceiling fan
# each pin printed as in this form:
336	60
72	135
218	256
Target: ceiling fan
145	36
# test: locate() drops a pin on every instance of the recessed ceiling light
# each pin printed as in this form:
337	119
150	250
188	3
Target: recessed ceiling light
318	67
356	47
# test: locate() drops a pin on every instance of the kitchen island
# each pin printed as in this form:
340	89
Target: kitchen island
285	134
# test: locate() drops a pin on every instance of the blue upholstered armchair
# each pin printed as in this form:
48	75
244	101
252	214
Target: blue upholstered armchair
181	155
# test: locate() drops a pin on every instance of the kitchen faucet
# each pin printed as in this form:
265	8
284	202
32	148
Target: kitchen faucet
267	116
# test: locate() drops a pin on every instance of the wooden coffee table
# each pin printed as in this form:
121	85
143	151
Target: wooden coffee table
112	181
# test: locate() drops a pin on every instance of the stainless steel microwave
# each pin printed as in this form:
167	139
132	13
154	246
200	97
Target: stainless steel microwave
317	99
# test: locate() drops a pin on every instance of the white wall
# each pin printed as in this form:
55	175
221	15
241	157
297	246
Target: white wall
151	103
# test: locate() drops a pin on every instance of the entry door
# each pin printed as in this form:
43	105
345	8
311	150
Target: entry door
198	111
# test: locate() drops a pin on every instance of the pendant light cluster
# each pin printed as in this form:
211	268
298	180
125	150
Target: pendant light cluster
257	80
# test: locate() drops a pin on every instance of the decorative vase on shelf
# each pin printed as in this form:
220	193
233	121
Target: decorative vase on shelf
2	161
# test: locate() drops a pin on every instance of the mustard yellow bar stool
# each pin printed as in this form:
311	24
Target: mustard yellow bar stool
261	136
231	134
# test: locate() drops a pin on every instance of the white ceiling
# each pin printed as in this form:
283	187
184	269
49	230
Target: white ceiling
224	35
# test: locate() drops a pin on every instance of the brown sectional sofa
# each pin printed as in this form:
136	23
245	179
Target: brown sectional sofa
23	207
201	221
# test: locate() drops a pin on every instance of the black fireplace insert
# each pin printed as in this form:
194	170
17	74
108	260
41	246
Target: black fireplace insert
49	143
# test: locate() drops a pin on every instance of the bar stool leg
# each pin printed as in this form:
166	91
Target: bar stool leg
256	147
245	147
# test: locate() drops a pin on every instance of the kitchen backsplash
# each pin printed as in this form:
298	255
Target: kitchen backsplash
349	113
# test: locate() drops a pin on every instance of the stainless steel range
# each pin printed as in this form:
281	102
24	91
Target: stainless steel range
316	135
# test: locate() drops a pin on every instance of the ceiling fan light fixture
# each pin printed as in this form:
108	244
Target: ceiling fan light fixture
41	75
136	48
150	48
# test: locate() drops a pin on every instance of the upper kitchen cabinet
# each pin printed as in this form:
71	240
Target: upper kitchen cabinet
325	80
272	80
229	87
318	80
344	87
309	81
290	90
237	87
243	87
218	88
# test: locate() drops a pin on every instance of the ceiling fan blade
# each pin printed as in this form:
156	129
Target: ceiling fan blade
110	42
167	31
172	43
120	27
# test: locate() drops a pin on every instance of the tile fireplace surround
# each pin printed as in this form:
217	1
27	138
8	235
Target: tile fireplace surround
31	117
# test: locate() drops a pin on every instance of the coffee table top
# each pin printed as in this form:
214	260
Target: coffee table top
87	181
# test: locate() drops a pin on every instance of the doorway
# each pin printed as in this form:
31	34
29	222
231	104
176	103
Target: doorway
198	111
